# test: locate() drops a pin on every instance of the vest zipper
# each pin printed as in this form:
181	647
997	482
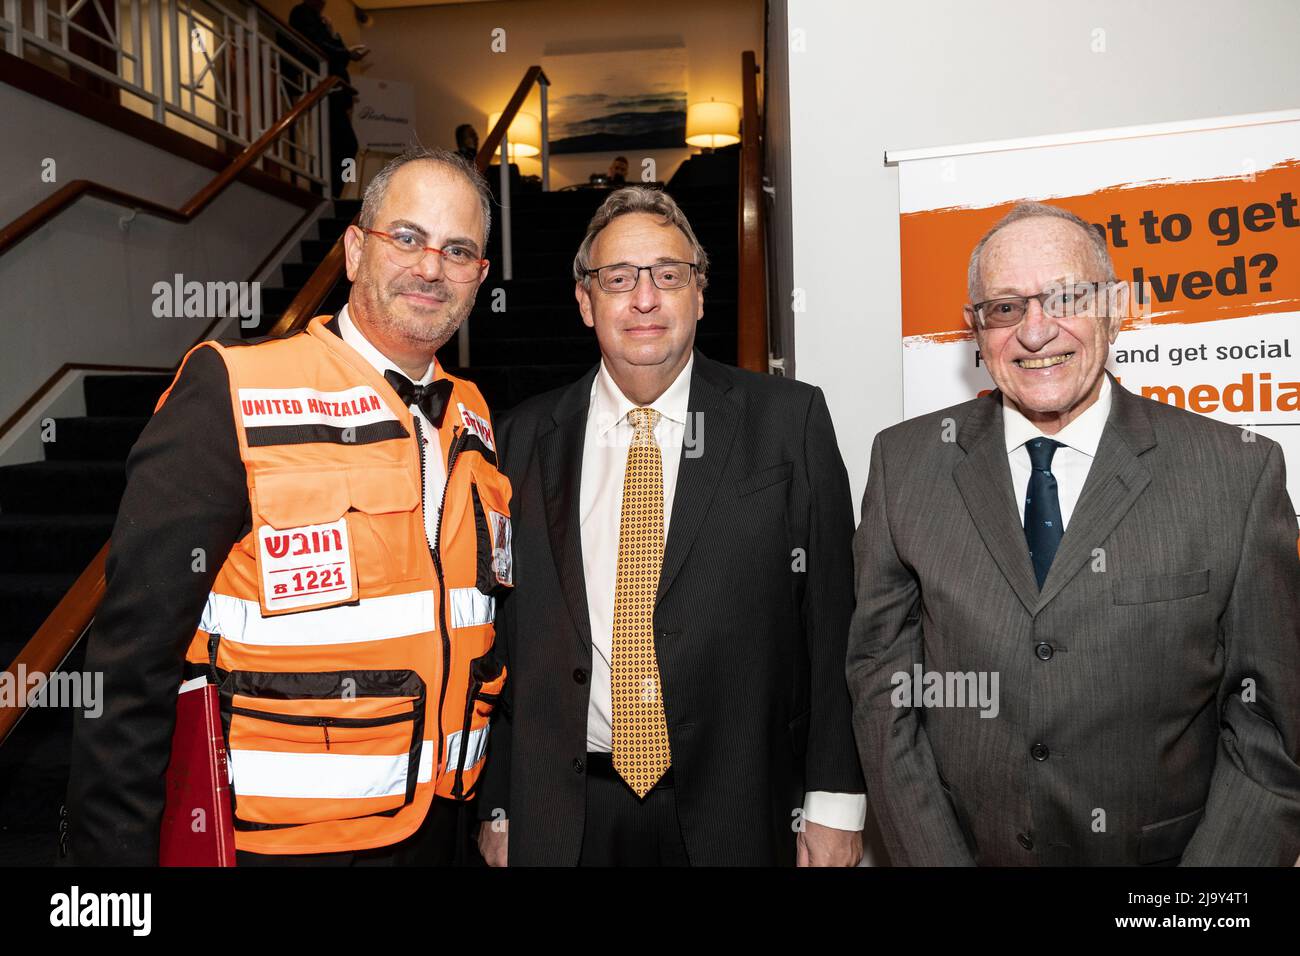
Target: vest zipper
458	434
306	720
323	722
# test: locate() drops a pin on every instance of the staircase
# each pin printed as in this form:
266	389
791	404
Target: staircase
54	516
293	275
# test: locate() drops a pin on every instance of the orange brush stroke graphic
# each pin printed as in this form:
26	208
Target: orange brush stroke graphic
936	245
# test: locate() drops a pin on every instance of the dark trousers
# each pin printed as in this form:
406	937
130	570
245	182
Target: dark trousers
622	829
443	839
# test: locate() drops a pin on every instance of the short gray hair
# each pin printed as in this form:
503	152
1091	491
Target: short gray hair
373	198
631	199
1040	210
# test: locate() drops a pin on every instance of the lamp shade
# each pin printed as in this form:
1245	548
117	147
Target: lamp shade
712	124
524	134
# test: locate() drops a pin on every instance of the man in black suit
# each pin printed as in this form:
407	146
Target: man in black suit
676	637
309	19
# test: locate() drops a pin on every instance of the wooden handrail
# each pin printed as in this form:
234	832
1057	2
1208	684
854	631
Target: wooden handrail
313	292
59	633
52	205
751	302
55	638
493	141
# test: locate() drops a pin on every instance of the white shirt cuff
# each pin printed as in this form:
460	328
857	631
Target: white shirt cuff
842	811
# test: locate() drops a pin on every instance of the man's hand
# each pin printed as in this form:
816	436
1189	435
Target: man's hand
492	842
826	846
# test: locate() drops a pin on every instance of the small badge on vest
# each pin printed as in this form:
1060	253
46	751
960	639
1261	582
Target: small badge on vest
306	567
502	566
478	425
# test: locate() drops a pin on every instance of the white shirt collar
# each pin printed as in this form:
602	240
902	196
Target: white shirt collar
1083	434
609	405
351	335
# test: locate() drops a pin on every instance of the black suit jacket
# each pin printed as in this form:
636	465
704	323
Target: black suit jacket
755	599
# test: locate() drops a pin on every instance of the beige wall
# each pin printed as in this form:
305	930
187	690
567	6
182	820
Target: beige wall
340	13
445	52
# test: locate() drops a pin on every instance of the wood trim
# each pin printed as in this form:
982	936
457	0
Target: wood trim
315	289
51	206
41	83
751	295
59	634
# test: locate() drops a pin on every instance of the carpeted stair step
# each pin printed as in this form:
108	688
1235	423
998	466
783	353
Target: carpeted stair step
94	438
123	395
26	600
62	487
49	542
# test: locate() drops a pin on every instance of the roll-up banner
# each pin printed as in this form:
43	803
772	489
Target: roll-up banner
1202	219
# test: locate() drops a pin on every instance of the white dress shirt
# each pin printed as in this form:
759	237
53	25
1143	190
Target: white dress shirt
600	508
435	472
1070	465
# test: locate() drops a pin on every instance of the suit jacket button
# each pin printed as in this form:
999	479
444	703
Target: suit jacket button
1025	840
578	765
580	676
1044	651
1039	751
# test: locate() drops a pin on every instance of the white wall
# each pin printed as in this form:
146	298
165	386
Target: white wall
79	288
938	72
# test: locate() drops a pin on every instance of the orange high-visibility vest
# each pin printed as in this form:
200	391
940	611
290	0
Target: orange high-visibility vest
352	659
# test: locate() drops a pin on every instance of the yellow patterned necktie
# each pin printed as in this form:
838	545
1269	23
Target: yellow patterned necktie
640	730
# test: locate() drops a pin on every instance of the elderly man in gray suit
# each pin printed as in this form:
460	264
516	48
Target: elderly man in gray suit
1076	638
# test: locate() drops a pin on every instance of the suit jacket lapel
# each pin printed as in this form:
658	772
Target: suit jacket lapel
984	479
560	453
1115	480
712	416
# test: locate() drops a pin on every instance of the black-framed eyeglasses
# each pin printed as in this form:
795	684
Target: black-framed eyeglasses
405	250
1065	301
623	276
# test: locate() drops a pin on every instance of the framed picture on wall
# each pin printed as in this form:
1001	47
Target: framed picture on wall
626	100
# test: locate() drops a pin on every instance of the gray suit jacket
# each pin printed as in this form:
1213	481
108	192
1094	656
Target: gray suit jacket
1149	696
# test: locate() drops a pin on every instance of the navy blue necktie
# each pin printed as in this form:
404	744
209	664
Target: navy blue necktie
1043	525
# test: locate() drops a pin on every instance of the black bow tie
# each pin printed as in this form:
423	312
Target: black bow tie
431	399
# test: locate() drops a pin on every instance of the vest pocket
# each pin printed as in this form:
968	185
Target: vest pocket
387	525
323	746
490	496
323	534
